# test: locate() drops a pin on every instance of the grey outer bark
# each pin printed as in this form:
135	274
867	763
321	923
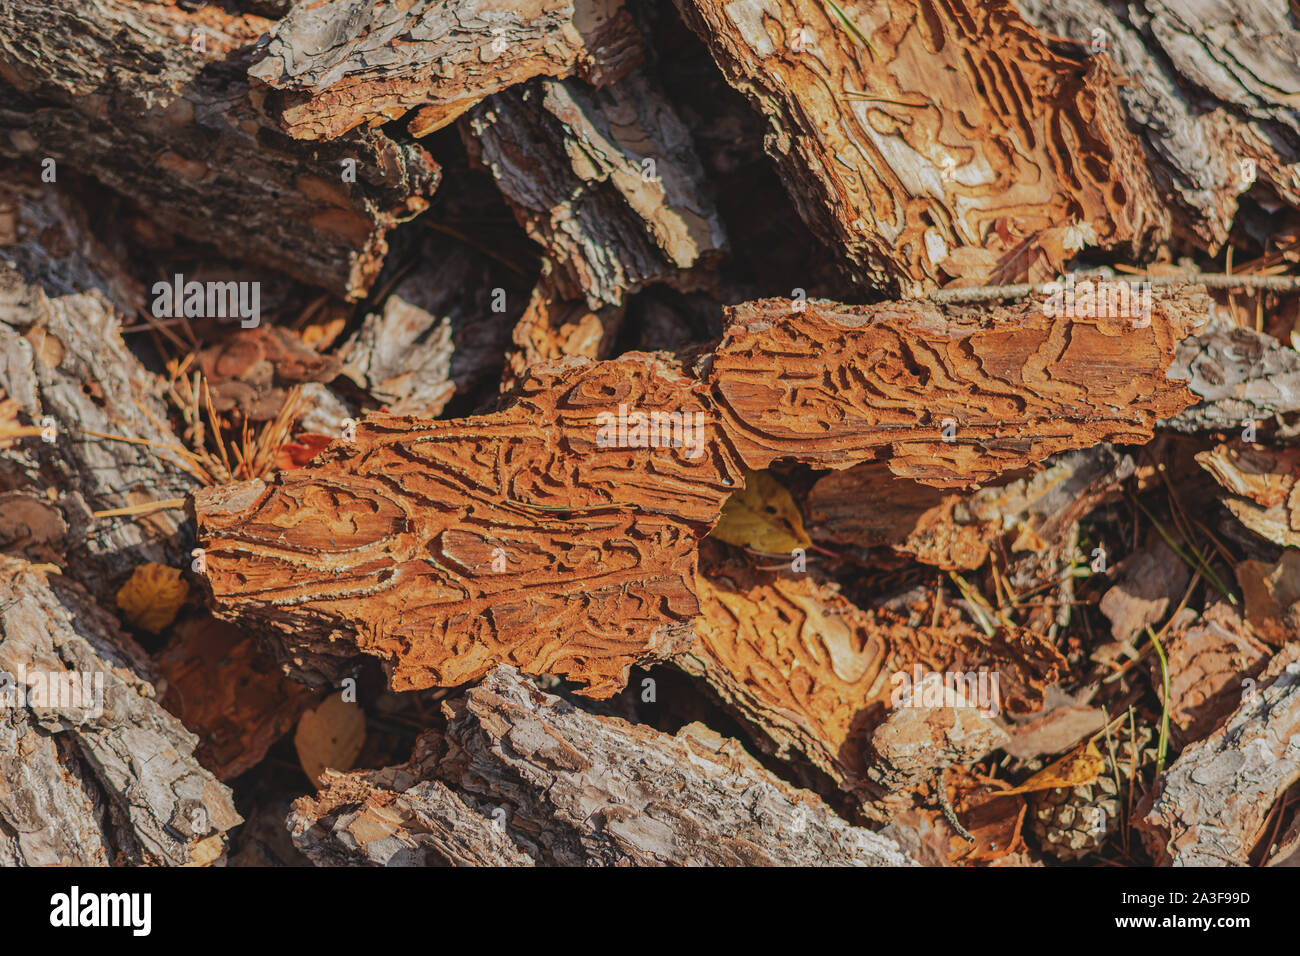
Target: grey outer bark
80	785
606	180
571	788
115	90
62	358
1240	375
1210	807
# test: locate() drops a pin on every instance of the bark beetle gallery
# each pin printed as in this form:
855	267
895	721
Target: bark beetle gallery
614	432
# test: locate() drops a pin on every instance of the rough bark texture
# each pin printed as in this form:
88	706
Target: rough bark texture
61	305
117	91
450	546
1240	375
956	130
571	788
1218	85
1210	807
954	530
434	338
863	382
552	329
341	63
606	180
79	784
814	675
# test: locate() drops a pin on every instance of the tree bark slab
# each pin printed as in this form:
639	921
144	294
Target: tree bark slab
336	65
524	777
956	129
92	778
117	91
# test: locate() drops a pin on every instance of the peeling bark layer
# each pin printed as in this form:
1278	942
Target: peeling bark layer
450	546
522	777
607	181
835	385
1218	85
955	530
117	91
956	129
341	63
88	777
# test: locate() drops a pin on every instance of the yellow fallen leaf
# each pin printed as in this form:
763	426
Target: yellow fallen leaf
1082	765
152	595
330	737
762	516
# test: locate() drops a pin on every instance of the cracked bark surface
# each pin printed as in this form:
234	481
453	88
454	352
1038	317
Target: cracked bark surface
335	65
387	546
79	787
116	91
607	181
963	124
524	777
1210	807
61	306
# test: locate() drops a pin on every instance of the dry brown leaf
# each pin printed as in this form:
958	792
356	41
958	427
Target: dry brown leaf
330	737
152	595
762	517
1082	765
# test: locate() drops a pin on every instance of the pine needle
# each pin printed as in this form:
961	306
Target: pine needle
854	30
1162	748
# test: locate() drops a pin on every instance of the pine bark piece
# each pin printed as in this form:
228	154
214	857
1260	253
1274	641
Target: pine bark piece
954	530
227	691
1149	583
834	385
1271	593
340	63
918	741
1202	107
571	788
391	817
1213	662
101	775
957	124
448	546
117	91
437	335
1261	486
552	329
1210	807
1240	375
607	181
60	312
812	674
251	370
